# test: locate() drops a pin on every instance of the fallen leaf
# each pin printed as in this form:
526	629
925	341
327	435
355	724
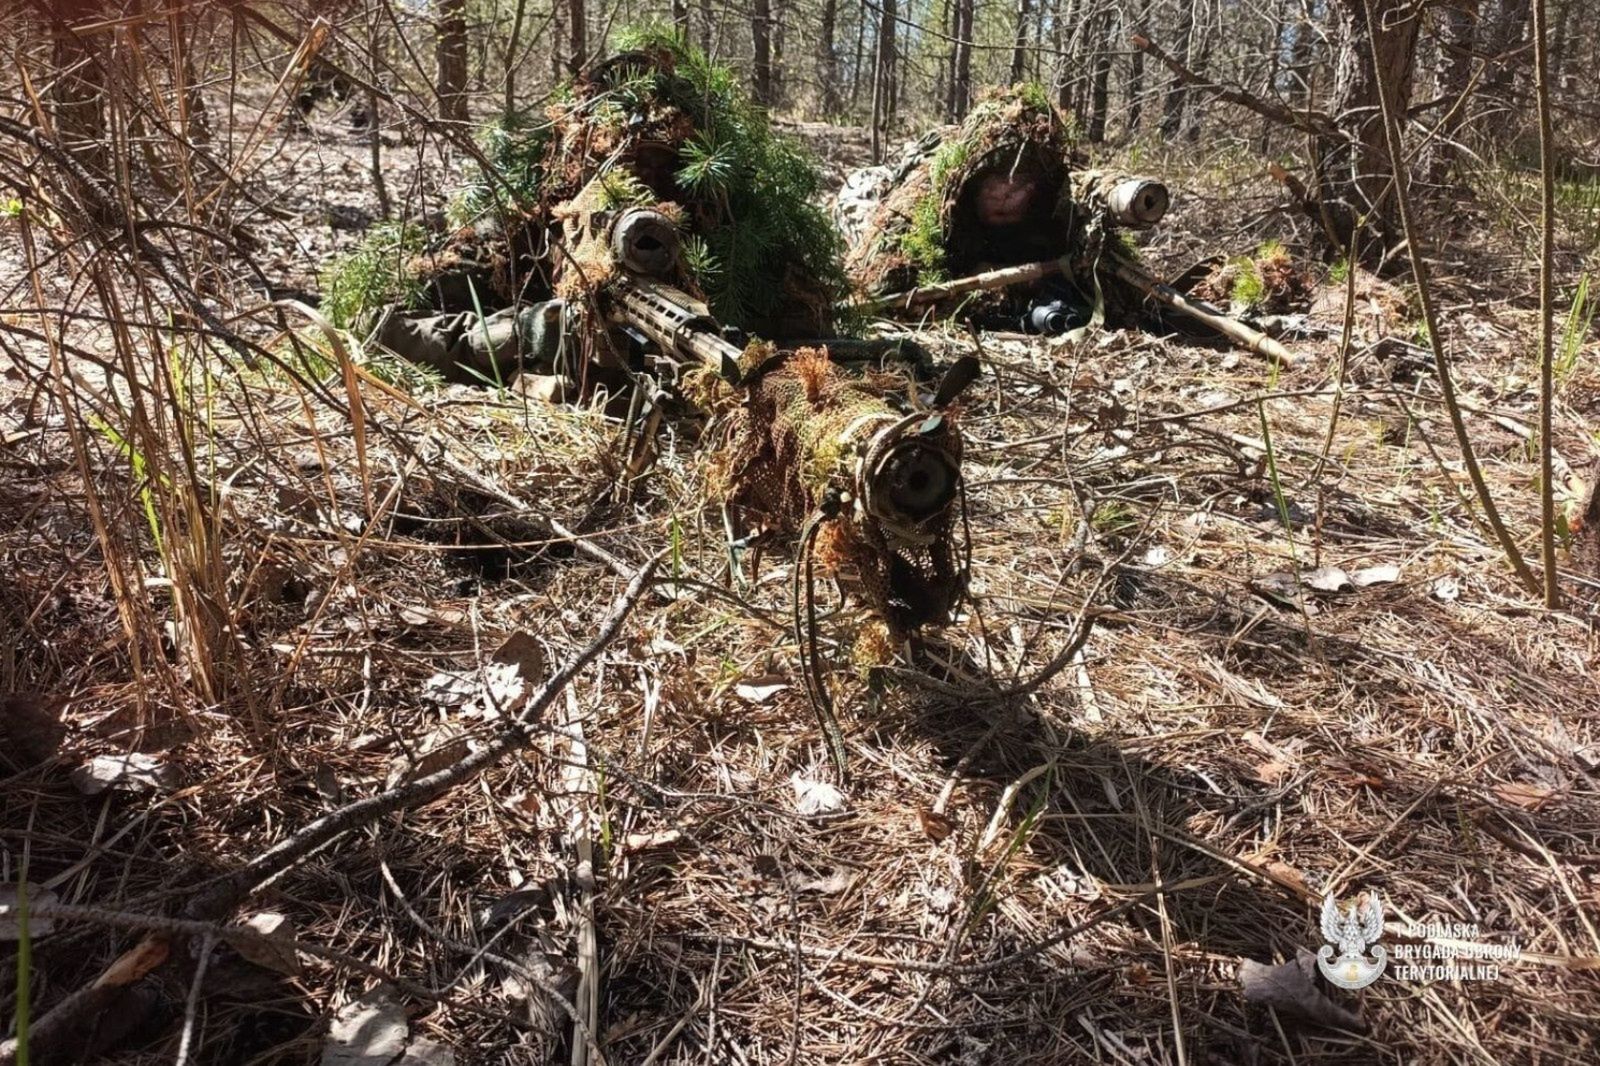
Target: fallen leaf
816	797
422	616
1375	575
526	804
426	1052
935	825
439	751
831	885
525	653
135	772
760	689
1282	588
370	1031
10	902
1278	764
274	953
1326	579
448	689
30	727
661	838
512	906
1285	874
136	963
1290	987
1529	797
1272	771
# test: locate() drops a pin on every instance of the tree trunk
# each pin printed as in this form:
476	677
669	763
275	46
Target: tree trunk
961	64
1274	65
1136	72
1503	40
1301	58
578	26
450	50
779	57
1202	63
1100	86
680	18
1019	47
1354	175
860	57
761	45
1177	92
78	95
1456	26
558	29
514	57
883	94
828	68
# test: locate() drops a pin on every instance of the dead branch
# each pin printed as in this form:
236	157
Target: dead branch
219	900
1317	122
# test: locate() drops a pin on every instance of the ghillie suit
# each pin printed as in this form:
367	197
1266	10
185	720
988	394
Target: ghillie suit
1006	187
875	492
997	220
1267	282
656	126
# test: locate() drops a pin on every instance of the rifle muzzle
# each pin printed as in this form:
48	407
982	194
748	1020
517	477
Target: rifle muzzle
645	241
1138	202
909	475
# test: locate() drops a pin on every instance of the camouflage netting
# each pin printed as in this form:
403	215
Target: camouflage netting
925	227
656	125
810	435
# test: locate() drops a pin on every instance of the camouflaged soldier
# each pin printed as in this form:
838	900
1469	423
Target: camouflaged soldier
659	129
1006	187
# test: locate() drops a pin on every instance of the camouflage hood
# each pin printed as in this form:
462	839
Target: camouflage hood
924	224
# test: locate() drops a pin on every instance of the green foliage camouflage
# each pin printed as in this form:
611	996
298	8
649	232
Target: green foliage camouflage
374	275
751	193
758	247
918	234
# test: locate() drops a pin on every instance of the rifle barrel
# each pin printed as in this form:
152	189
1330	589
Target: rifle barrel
676	322
992	279
1250	339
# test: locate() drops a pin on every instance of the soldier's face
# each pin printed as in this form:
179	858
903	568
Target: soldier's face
1004	200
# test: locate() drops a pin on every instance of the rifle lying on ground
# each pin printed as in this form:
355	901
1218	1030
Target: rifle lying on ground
1133	203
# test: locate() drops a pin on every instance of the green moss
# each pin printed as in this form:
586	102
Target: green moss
951	156
373	275
1033	95
923	243
619	188
1248	287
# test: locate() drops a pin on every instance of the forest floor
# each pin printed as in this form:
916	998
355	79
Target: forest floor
1310	671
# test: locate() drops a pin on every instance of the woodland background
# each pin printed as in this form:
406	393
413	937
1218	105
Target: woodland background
253	573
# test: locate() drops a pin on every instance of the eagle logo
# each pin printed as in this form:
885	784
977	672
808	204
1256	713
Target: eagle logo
1354	930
